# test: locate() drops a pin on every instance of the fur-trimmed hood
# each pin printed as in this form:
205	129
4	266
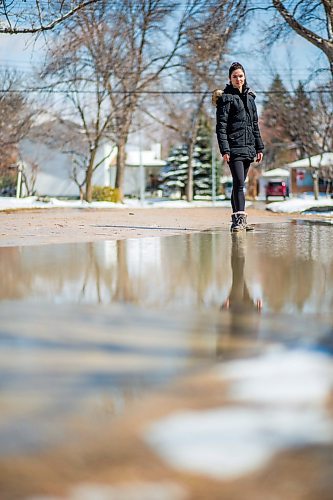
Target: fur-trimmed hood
229	89
215	96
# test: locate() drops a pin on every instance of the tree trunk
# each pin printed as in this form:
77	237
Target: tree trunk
328	188
123	288
121	161
89	175
328	51
189	185
315	185
190	149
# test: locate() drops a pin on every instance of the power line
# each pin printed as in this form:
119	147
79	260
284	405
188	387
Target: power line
28	66
148	92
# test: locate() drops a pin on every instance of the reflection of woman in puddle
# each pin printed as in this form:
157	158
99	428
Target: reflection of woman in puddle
239	299
239	328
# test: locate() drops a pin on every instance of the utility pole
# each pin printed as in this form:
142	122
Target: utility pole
19	181
141	172
213	169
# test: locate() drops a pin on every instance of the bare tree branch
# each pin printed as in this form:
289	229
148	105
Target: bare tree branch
325	45
15	14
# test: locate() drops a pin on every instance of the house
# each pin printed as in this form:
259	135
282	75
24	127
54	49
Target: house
49	156
152	164
301	172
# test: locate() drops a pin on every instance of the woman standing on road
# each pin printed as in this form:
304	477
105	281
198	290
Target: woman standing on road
238	136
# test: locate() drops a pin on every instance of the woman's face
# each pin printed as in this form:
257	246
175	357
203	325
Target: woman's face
237	79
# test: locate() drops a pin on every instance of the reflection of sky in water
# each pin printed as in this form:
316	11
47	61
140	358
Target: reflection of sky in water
287	267
60	361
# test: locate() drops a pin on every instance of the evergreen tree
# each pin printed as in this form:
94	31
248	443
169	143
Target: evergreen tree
275	123
174	176
303	130
302	124
202	159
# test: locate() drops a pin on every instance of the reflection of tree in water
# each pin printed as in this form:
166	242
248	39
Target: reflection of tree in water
92	268
115	283
292	265
44	270
15	284
124	286
192	264
287	268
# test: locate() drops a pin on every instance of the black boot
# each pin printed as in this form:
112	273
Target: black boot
241	220
248	227
236	222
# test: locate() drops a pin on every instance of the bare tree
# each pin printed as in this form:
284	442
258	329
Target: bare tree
16	117
323	117
85	113
36	16
201	64
128	46
323	120
207	38
120	44
139	50
312	20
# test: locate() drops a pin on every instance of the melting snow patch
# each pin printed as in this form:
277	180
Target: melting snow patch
8	203
300	205
31	202
285	395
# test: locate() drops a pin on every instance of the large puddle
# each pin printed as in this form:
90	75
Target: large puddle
280	269
88	328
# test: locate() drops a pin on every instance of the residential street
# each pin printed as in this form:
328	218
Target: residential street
37	227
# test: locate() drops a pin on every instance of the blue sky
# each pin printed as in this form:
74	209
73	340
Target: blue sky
294	59
19	51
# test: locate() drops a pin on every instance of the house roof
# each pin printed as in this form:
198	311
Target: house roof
148	159
323	160
276	172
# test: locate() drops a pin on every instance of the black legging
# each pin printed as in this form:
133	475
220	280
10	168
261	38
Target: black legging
239	170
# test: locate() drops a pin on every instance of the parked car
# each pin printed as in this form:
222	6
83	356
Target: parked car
277	188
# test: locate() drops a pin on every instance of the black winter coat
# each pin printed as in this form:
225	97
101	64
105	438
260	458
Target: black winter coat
237	124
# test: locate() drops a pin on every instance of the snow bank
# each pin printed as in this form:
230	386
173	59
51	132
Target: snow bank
7	203
31	202
300	205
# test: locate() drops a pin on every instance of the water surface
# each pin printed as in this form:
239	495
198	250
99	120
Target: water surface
288	268
87	328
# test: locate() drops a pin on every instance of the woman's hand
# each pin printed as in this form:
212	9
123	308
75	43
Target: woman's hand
226	157
259	157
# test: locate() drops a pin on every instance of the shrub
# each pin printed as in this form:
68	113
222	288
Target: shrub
7	185
106	193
